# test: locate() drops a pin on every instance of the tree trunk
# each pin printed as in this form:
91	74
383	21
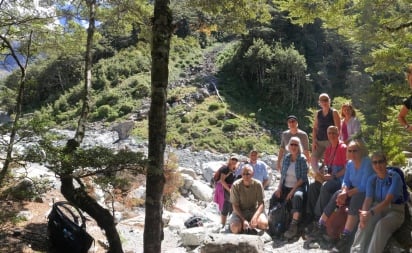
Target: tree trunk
78	196
19	103
161	32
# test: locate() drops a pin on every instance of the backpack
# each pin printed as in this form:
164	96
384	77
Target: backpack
403	233
278	219
336	222
66	233
194	221
404	186
216	176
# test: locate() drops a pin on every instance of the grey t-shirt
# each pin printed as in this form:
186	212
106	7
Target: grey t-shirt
302	135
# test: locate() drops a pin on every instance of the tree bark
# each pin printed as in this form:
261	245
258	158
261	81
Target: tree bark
161	32
19	102
78	196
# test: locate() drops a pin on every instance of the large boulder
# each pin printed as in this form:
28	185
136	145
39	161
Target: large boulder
210	168
124	129
201	191
217	243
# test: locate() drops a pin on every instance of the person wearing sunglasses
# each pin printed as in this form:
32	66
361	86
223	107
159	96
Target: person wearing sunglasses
247	198
381	214
351	194
223	185
407	103
293	183
328	182
292	131
325	117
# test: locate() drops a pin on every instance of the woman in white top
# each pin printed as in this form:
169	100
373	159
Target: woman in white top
293	183
349	125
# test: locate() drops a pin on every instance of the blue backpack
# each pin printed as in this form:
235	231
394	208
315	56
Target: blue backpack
392	170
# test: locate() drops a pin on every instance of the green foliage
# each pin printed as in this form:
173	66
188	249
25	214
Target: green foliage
381	27
233	16
230	125
110	98
106	112
214	107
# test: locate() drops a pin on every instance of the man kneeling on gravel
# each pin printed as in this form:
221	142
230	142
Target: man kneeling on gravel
247	198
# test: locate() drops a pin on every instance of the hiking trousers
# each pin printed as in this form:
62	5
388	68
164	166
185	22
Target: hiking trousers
378	230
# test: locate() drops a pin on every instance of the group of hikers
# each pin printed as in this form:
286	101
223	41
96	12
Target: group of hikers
336	173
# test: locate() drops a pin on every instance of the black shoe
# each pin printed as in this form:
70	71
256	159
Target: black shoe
311	227
343	245
318	232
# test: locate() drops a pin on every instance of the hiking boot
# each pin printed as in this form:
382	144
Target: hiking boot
311	227
292	231
343	245
318	232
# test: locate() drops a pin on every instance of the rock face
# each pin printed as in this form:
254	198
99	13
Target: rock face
202	191
218	243
210	168
123	129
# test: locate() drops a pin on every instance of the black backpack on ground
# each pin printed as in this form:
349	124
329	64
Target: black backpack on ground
65	231
194	221
279	218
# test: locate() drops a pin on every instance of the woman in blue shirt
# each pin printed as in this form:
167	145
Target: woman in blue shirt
351	194
381	214
293	182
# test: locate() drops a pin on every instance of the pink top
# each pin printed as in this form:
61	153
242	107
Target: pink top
219	196
336	155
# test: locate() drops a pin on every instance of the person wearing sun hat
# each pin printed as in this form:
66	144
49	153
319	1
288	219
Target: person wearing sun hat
292	131
226	177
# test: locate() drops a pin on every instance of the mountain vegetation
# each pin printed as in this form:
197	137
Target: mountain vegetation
258	60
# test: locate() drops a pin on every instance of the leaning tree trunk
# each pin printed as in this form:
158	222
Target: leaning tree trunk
78	196
19	102
162	29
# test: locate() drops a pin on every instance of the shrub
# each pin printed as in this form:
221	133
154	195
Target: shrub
221	114
213	121
108	99
214	107
185	119
230	125
106	111
173	182
125	109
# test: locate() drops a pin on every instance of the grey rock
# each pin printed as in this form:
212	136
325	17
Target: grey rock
201	191
124	129
217	243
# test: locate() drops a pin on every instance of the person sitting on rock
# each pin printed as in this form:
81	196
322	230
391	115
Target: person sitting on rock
352	194
247	198
383	210
326	184
293	183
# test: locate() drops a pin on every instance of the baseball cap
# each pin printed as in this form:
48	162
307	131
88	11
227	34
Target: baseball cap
292	117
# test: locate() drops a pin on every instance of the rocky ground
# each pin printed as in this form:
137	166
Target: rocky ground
29	232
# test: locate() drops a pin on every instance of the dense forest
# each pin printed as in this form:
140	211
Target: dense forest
272	59
284	60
